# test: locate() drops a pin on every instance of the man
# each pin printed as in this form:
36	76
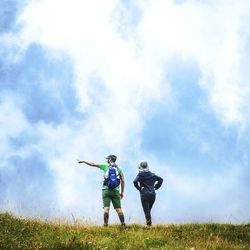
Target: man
110	194
147	182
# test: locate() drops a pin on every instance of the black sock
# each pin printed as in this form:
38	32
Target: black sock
106	218
121	217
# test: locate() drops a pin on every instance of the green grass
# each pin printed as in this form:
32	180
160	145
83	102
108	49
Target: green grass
19	233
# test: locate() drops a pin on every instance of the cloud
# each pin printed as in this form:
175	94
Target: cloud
8	11
212	36
87	78
214	44
23	171
9	118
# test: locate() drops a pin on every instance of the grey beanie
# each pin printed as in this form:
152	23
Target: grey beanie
143	167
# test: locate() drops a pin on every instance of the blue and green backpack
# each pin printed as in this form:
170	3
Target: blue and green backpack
113	179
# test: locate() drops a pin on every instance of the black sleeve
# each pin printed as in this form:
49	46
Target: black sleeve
159	182
136	183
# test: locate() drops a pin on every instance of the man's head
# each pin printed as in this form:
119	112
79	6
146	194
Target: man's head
111	158
143	167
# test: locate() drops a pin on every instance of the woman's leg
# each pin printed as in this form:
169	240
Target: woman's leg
146	208
151	200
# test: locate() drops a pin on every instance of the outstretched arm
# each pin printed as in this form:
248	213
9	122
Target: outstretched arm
92	164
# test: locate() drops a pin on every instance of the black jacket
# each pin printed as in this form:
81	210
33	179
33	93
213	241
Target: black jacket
147	182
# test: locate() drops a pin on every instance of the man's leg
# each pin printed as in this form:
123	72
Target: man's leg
121	216
116	200
106	204
106	216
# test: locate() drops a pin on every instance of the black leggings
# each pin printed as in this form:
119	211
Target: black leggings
147	202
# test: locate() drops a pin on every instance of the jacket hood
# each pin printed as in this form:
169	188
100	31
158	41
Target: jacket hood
146	174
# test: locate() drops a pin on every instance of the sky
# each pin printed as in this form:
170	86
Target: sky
165	82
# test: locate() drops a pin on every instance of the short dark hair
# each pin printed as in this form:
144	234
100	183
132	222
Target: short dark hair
111	157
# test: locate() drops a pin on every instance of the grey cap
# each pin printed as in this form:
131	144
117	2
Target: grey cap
143	167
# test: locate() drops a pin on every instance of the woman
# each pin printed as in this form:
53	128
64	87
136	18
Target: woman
147	182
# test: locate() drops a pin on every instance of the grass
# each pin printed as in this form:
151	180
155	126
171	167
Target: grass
22	233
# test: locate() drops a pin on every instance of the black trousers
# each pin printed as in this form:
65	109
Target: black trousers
147	201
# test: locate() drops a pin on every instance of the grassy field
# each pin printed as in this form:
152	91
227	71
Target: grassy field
20	233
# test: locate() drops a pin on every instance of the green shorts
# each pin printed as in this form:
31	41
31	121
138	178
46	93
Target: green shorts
111	195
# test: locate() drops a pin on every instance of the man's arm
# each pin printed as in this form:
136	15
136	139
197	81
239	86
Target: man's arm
122	185
92	164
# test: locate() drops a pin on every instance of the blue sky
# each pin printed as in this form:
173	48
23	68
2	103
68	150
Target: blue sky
162	81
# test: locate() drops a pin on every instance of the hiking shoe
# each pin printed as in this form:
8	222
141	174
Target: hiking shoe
105	224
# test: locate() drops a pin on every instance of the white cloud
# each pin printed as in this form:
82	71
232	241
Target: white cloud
12	124
132	69
87	32
212	36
